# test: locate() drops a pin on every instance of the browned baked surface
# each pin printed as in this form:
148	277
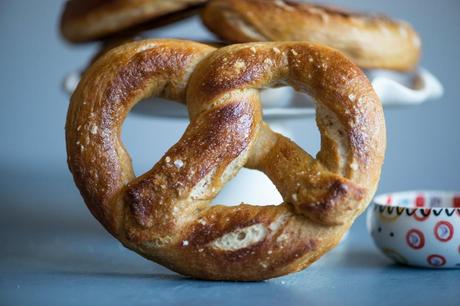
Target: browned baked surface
165	215
85	20
370	41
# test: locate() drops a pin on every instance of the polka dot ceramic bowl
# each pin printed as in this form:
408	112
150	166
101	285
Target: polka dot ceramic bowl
417	228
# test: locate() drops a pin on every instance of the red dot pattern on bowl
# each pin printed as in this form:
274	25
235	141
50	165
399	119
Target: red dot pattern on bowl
389	200
420	201
443	231
415	239
456	202
436	260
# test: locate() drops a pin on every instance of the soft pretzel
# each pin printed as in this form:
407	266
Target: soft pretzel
85	20
165	215
370	41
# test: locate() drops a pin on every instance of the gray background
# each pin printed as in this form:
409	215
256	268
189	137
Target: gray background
423	145
53	252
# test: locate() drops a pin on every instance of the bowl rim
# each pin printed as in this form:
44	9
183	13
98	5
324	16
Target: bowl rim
380	199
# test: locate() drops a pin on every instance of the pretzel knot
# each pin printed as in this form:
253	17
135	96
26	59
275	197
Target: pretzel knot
165	214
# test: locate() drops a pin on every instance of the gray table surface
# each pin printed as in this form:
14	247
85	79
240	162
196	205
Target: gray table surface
54	253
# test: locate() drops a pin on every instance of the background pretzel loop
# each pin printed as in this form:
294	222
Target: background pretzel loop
165	214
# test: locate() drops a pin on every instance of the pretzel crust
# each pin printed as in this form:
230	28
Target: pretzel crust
164	214
86	20
370	41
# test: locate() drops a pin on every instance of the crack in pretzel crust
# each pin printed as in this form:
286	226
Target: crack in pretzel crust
86	20
165	214
370	41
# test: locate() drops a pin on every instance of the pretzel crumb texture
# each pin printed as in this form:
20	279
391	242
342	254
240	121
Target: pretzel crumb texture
178	163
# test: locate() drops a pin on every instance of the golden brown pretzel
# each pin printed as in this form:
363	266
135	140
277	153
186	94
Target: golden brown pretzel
84	20
165	215
370	41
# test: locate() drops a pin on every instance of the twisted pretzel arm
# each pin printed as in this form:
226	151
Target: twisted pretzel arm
370	41
330	191
108	90
316	192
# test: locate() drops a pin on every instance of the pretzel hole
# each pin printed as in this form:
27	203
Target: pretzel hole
144	147
273	100
296	125
285	97
157	108
305	134
252	186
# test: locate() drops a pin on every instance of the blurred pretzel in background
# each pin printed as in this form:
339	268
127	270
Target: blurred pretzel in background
165	214
370	41
87	20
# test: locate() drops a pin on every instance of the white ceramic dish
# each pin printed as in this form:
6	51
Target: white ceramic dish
418	228
393	88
